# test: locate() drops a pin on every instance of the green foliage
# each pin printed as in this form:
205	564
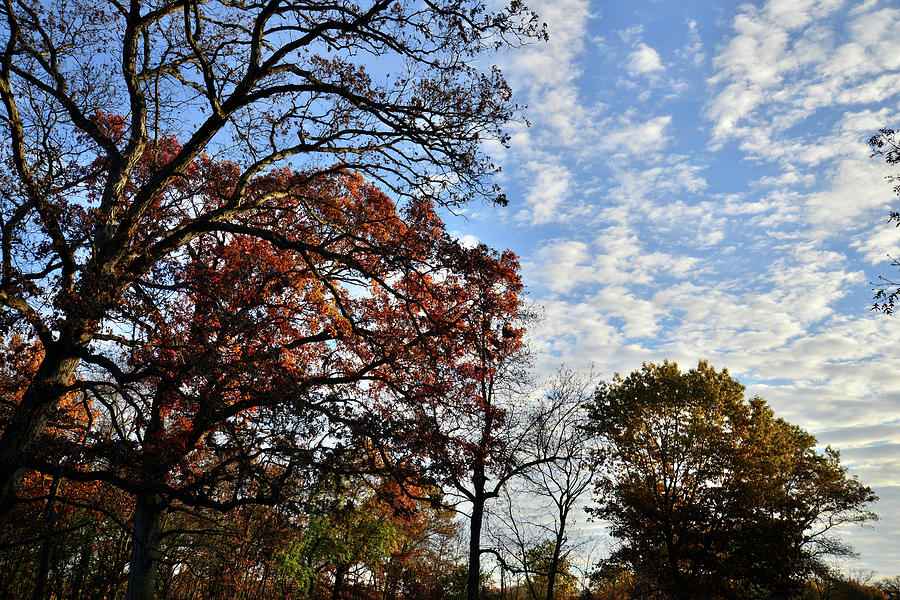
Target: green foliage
539	560
710	494
451	583
344	530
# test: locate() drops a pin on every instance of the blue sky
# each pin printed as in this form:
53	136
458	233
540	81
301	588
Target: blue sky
696	185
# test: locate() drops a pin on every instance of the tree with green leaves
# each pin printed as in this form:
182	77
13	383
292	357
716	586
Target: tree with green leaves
351	530
710	494
548	574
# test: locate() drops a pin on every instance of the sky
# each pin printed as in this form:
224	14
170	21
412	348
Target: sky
695	184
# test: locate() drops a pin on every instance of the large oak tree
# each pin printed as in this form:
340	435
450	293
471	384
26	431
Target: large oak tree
189	238
273	346
95	206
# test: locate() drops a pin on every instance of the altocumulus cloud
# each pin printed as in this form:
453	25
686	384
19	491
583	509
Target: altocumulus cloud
696	185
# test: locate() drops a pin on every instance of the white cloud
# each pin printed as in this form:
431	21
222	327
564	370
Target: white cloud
692	51
615	257
628	137
854	191
549	189
546	72
782	62
644	60
563	265
792	14
468	240
563	123
878	243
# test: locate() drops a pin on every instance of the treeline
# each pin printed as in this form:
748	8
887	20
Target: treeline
349	540
708	494
617	584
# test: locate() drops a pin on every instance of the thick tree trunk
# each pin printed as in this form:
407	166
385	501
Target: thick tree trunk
28	422
337	591
677	585
144	551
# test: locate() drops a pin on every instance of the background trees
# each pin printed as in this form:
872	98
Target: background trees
710	494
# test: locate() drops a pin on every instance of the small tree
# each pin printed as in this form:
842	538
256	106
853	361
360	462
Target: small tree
548	574
710	494
559	448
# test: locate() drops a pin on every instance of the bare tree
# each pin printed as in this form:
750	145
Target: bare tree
560	452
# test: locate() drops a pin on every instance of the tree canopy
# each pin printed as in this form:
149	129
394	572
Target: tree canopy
710	494
134	130
197	242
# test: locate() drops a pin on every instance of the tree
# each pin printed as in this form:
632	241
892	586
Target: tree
482	436
890	586
262	360
350	527
560	453
97	208
548	574
612	581
58	523
710	494
479	435
830	584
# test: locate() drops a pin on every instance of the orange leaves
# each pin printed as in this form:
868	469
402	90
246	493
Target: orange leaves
301	301
19	361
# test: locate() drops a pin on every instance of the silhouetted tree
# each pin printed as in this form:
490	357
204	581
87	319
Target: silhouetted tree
890	586
539	511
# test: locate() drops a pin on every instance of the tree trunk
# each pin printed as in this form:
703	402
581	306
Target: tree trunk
473	582
28	422
553	570
40	586
557	551
144	553
84	563
338	589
